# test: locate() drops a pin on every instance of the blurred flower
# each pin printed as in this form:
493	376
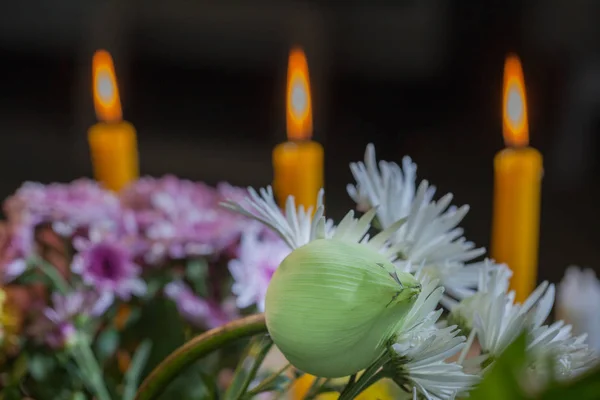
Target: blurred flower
430	238
14	247
258	258
107	264
499	321
577	303
197	311
62	335
180	218
76	304
67	206
57	326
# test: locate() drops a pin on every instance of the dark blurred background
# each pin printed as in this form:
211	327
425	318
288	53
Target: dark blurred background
203	82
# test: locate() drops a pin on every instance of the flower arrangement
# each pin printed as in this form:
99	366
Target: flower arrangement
99	287
397	294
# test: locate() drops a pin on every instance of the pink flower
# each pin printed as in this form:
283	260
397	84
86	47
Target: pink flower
198	311
107	264
57	326
259	255
67	206
180	218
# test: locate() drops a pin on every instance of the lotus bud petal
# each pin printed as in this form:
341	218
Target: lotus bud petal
331	306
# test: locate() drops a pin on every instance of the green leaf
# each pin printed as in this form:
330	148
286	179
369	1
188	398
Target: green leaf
78	396
107	344
40	366
501	381
248	366
161	324
132	376
587	387
18	370
196	271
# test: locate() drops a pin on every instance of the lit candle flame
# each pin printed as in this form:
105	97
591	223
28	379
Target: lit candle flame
515	127
107	102
299	104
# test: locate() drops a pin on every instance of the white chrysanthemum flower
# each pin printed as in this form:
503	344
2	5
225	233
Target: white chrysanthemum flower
493	280
430	237
388	187
571	355
299	226
421	350
499	321
577	302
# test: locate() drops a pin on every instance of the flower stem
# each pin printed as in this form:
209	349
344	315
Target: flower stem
87	362
52	273
369	377
200	346
314	389
350	382
265	383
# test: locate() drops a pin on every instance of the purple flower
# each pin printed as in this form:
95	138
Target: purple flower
107	264
67	206
259	255
61	335
180	218
57	325
198	311
15	245
68	307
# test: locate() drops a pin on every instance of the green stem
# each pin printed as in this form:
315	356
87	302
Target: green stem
87	362
266	383
52	273
200	346
314	389
350	382
370	376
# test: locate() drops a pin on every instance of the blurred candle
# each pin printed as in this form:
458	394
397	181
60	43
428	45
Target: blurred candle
517	188
113	143
298	163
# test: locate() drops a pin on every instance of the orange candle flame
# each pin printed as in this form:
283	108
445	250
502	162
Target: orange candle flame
107	102
515	127
299	103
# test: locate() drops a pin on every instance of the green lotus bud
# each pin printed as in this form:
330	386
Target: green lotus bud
332	305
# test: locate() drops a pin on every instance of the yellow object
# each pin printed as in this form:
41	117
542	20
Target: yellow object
298	171
114	154
518	174
113	142
10	324
298	163
381	390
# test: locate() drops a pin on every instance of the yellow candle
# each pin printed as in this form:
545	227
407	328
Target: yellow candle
113	142
517	188
298	163
298	171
